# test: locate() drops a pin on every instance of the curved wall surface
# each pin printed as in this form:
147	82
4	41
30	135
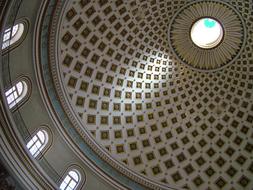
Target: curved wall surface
126	98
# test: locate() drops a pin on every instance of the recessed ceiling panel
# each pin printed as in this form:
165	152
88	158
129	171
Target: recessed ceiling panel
156	116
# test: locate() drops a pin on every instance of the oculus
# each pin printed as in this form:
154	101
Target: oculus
207	33
205	39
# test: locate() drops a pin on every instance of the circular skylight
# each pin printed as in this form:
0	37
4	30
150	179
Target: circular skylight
206	33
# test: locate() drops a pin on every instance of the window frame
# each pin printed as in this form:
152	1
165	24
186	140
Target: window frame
34	139
81	173
13	90
48	144
12	36
69	178
17	39
14	95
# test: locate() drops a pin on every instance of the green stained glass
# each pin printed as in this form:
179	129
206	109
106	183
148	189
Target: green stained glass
209	23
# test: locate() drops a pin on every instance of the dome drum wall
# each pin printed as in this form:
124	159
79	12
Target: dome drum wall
150	117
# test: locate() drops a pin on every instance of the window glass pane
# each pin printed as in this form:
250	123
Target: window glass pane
19	87
69	188
72	184
5	44
16	93
71	180
38	144
10	98
35	138
7	36
7	30
74	175
14	30
30	143
67	179
9	91
10	38
41	136
63	185
33	150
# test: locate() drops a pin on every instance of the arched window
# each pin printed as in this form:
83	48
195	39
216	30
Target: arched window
37	143
71	180
16	93
12	35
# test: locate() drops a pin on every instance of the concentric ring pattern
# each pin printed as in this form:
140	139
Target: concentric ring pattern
157	116
207	59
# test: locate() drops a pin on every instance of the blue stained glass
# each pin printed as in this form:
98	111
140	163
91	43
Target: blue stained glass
209	23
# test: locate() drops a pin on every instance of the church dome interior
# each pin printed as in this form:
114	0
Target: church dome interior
126	94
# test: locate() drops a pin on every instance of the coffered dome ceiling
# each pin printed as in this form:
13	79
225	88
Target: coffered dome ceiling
118	79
